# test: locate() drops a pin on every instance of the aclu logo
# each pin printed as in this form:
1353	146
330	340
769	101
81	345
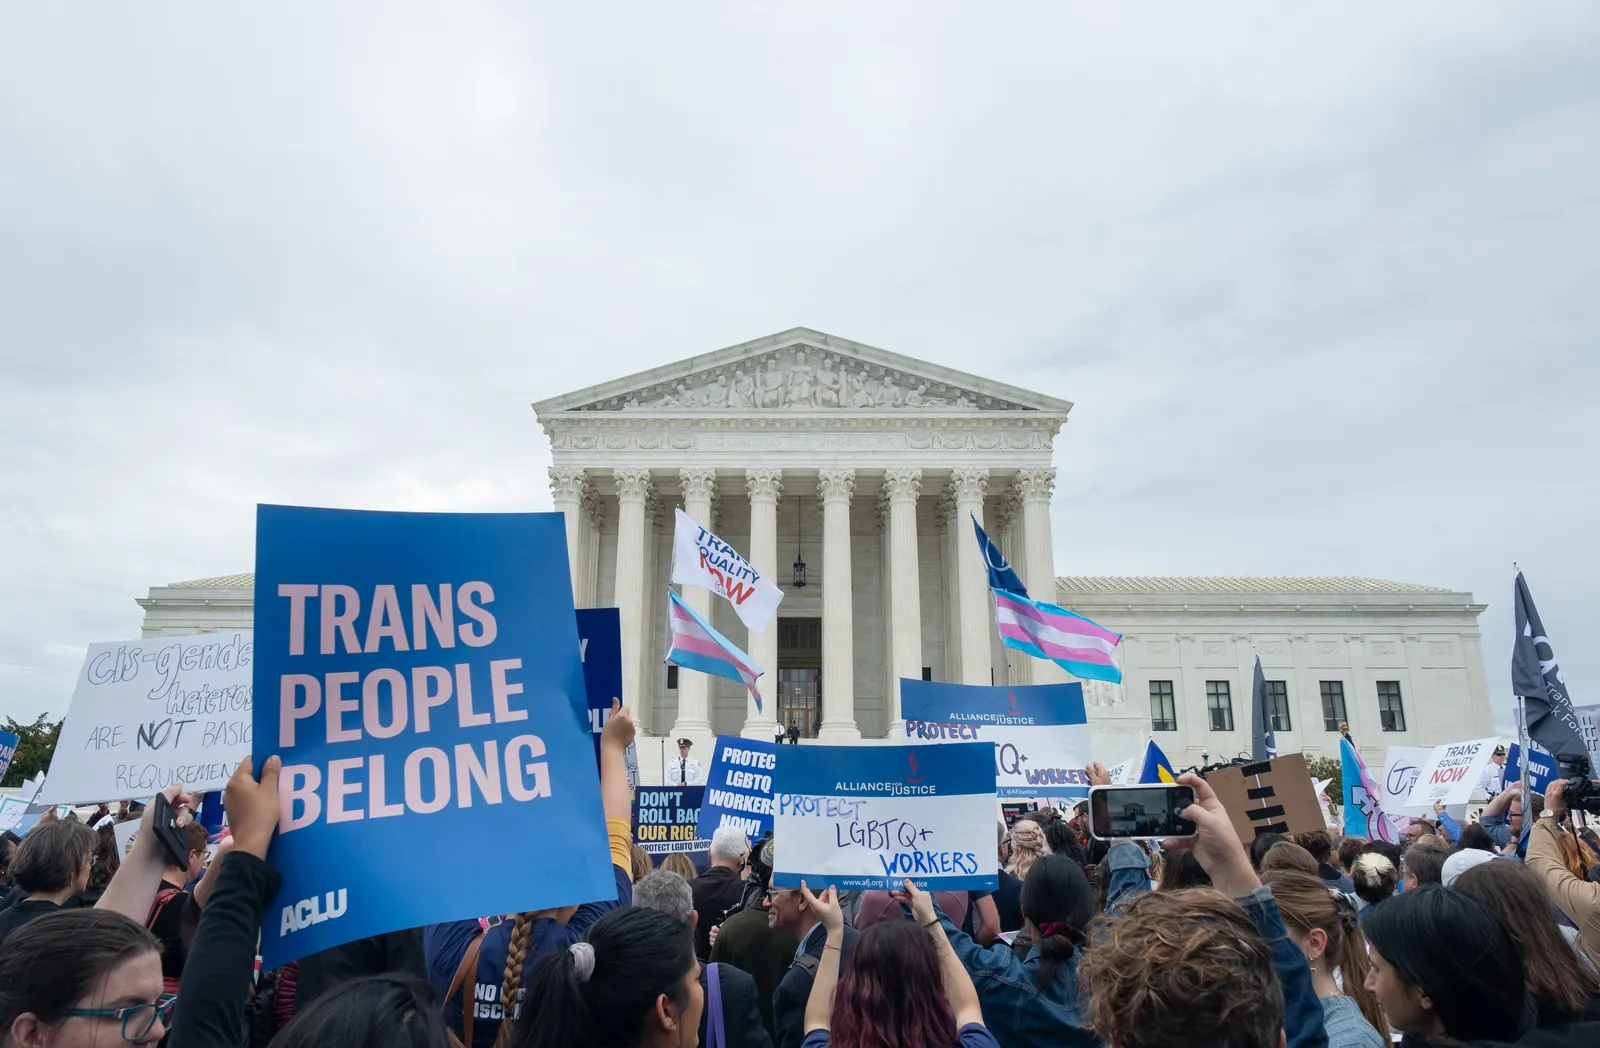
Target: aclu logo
299	916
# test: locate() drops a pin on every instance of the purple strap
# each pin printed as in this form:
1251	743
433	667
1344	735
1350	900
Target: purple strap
716	1036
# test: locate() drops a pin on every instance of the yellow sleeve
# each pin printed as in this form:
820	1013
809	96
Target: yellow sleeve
620	832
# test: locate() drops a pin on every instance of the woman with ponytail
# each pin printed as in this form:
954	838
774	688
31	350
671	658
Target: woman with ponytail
1029	995
1322	922
478	971
632	981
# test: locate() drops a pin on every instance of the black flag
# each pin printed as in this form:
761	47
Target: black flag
1263	741
1535	675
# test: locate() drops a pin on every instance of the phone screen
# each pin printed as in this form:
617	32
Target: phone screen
1121	813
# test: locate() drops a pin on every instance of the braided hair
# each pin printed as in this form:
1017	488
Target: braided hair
511	980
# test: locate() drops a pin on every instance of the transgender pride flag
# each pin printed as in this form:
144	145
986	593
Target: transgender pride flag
1045	631
696	646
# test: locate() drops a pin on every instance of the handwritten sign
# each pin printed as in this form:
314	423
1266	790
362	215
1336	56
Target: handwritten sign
739	787
664	819
148	713
874	816
1451	773
1040	731
427	699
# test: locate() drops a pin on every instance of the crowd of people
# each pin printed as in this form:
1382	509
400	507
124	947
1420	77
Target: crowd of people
1481	933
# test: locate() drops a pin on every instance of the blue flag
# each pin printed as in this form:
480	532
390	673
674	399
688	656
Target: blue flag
1001	576
1157	768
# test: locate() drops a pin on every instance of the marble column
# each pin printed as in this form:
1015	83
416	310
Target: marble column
633	485
1007	531
1038	555
972	579
765	487
950	590
905	596
838	638
594	517
694	689
567	487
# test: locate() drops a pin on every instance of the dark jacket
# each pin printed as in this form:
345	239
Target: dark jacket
789	1002
762	952
716	893
222	957
20	913
396	952
741	1012
1573	1035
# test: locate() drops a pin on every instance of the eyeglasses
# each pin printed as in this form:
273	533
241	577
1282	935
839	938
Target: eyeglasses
138	1019
773	893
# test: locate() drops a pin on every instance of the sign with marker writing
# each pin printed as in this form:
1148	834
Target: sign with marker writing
739	787
1451	773
1040	731
874	816
665	818
423	688
148	713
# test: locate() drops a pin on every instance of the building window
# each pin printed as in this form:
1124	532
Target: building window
1333	705
1278	703
1163	712
1391	712
672	678
1219	701
927	673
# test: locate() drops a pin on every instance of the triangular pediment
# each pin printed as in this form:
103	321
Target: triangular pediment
797	371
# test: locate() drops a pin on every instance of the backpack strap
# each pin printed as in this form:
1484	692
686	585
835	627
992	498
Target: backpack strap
466	976
716	1033
807	962
163	897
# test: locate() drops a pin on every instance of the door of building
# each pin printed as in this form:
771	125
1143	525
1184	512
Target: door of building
800	674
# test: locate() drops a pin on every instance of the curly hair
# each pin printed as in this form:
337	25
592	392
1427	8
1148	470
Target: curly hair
1182	968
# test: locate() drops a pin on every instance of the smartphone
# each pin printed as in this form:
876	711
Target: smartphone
1139	813
164	824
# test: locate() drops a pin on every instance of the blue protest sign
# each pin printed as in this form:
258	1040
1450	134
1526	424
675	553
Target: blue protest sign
600	649
665	818
739	787
8	749
874	816
418	674
1040	731
1541	767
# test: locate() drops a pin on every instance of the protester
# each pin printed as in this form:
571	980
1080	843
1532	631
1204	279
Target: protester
107	858
1179	870
717	891
639	862
1320	844
1287	855
9	843
904	987
52	866
1027	845
1263	844
1376	879
1578	899
174	912
371	1011
1444	968
1029	994
731	995
80	978
396	954
1007	897
1423	863
1564	988
1503	816
1202	967
1417	829
1475	837
790	909
881	906
1462	861
1349	848
679	864
632	980
749	943
506	952
1322	922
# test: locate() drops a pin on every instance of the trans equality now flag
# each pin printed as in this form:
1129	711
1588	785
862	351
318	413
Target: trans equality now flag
699	558
419	676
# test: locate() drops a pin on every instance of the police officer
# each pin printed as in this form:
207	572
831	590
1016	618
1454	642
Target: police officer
683	770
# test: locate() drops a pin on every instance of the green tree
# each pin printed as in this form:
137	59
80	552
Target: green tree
37	746
1328	768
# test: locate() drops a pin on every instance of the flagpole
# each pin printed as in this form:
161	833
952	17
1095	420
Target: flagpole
1522	736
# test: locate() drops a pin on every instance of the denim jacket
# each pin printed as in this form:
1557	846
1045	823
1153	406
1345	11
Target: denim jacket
1130	875
1302	1011
1015	1010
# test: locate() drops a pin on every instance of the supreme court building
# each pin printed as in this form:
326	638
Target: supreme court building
857	469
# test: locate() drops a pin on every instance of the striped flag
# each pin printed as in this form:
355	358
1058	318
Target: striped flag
697	646
1045	631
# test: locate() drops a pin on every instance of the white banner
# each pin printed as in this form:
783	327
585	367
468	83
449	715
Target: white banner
148	713
699	558
1451	773
1401	766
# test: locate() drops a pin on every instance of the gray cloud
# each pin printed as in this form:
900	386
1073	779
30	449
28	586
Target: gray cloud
1321	286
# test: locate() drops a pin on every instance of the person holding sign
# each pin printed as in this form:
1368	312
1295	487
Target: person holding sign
905	986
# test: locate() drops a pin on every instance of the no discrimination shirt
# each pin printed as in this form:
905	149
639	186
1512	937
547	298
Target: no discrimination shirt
446	944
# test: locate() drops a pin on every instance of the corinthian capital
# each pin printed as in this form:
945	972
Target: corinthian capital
1036	484
633	485
903	485
568	485
698	483
836	485
968	485
764	485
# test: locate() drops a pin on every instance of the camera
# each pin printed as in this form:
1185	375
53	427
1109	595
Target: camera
1581	792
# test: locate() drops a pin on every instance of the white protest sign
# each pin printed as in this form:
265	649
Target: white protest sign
699	558
1126	773
148	713
1451	773
127	833
1401	766
11	811
1040	731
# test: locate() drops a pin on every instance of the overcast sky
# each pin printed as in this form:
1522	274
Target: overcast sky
1323	283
